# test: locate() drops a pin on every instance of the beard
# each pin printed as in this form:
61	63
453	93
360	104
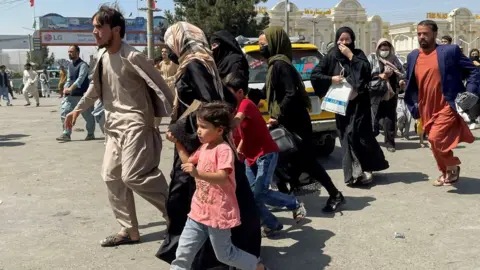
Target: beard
106	44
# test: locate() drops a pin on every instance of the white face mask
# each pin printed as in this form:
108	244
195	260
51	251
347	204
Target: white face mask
384	54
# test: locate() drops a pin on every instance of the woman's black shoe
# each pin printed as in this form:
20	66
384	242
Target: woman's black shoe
333	203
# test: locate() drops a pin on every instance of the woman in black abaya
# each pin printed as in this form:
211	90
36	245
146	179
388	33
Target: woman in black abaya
197	79
228	55
361	152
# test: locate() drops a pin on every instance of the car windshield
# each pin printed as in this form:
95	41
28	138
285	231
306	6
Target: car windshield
303	60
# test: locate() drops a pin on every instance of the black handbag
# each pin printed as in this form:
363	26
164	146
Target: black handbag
287	142
466	100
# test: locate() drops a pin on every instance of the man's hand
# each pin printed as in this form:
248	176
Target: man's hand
403	84
190	169
71	118
345	51
337	79
67	91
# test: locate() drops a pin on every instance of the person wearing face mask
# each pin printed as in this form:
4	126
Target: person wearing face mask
228	55
475	57
288	106
362	154
387	67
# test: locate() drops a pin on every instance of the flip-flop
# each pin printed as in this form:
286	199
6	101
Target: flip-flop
440	181
117	240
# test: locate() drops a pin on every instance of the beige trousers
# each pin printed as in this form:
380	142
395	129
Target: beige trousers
130	165
32	90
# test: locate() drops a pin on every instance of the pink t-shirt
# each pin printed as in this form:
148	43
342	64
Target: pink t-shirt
215	205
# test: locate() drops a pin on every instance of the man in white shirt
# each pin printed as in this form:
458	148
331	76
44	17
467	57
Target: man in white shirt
30	84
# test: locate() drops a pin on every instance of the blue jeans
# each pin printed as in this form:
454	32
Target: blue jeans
99	115
260	177
68	104
4	94
193	237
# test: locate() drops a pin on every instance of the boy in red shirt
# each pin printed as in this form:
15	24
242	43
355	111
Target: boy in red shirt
261	155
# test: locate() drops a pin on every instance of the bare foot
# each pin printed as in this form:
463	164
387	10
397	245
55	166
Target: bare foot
134	234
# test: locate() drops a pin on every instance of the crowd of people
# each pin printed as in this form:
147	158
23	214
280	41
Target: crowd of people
217	201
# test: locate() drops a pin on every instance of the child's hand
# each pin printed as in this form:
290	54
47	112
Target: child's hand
170	137
190	169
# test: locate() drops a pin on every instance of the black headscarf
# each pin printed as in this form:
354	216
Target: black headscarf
476	58
228	55
357	52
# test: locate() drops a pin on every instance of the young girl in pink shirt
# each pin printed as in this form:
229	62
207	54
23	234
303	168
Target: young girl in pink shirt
214	210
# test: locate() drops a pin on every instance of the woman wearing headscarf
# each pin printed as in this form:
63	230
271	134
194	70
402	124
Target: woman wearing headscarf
197	78
361	152
288	106
387	78
474	112
228	54
475	57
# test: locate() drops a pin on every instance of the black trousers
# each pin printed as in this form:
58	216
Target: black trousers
387	118
305	161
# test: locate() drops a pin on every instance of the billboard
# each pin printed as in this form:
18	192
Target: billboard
14	42
56	30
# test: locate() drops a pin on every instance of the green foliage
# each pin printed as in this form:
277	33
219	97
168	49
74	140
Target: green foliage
41	58
157	52
236	16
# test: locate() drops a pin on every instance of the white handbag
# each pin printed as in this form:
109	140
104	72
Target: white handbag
338	95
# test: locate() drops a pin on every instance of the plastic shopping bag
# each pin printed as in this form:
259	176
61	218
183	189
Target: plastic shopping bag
337	98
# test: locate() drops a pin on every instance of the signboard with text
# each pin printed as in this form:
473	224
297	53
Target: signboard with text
56	30
434	15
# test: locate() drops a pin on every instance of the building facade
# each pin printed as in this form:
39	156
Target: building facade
319	26
461	24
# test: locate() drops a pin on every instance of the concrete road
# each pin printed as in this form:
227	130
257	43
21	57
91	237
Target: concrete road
55	210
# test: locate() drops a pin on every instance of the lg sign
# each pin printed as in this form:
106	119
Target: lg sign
52	37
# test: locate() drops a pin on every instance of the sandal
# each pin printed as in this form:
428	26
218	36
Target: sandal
440	181
455	175
117	240
299	213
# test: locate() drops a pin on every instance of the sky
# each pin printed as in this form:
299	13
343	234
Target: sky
16	16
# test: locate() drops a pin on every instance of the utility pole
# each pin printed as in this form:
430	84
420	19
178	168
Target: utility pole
149	9
287	15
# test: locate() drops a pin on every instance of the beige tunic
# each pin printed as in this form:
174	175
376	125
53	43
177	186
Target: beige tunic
168	69
134	94
124	109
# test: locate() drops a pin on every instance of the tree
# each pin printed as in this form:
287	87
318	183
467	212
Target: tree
157	52
239	17
41	58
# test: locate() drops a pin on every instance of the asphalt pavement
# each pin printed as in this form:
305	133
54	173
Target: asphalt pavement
54	208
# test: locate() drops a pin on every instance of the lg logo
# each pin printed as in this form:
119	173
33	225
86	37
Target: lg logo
50	37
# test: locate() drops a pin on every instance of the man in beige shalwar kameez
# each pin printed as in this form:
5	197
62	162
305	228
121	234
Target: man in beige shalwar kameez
168	69
134	95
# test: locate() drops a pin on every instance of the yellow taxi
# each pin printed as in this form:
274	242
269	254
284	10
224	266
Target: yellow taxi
305	57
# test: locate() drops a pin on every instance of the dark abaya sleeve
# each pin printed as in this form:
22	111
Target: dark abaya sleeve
285	86
360	74
200	82
320	78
